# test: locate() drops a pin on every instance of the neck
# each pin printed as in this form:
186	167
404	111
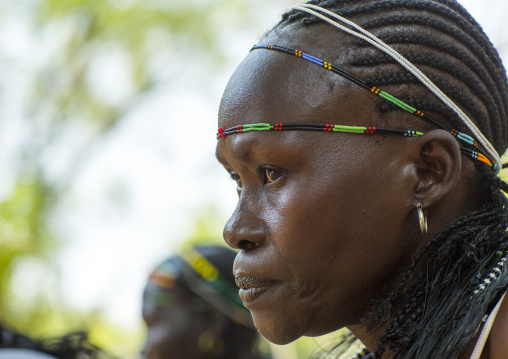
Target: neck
369	338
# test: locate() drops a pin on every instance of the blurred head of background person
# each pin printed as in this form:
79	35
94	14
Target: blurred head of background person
192	310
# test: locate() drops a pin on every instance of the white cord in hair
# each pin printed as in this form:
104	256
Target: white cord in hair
370	38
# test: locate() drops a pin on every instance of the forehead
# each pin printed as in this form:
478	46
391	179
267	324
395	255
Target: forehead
274	87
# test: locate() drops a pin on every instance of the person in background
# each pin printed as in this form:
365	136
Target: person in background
192	309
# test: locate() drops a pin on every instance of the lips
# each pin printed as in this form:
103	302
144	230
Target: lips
252	288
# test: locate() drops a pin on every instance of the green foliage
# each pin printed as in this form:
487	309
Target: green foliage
207	228
68	112
24	233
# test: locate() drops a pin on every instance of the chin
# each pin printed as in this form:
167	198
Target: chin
278	332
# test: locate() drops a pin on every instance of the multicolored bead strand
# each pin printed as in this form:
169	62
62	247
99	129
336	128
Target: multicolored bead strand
477	154
314	127
492	276
223	133
354	29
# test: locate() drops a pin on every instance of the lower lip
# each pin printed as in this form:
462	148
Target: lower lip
252	294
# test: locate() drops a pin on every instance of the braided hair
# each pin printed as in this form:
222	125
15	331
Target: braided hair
438	303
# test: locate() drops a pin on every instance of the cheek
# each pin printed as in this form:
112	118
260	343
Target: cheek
323	215
344	201
329	227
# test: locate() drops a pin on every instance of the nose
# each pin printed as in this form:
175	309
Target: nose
244	230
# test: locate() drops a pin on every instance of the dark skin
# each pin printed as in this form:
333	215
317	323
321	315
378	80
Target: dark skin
326	222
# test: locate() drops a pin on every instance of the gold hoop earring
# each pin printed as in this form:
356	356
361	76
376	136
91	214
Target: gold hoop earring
422	217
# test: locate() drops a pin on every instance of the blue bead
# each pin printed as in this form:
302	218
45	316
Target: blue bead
465	138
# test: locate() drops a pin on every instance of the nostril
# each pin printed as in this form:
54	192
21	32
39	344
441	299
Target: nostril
244	230
246	245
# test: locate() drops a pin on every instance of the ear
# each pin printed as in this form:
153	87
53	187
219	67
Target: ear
437	166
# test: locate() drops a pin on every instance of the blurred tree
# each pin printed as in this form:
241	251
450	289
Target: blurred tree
207	228
94	62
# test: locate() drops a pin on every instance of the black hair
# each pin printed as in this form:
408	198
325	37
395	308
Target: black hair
74	345
462	51
433	312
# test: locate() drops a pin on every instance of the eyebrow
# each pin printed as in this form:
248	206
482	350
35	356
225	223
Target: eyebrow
242	148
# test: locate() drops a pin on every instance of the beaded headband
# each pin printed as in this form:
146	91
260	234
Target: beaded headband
476	153
480	147
372	39
204	279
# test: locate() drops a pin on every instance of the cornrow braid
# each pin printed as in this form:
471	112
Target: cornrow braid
445	28
433	312
445	85
448	18
470	28
470	81
423	104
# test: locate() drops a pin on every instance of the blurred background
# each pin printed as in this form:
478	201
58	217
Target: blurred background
107	138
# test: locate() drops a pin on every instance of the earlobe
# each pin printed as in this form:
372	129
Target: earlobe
437	164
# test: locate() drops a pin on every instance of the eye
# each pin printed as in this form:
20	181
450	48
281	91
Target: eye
237	179
271	174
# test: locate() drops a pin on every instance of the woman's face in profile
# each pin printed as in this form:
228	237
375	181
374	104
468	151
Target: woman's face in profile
175	320
321	222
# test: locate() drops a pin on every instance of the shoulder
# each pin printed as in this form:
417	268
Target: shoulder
498	338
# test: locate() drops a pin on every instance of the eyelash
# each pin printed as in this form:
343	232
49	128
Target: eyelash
267	174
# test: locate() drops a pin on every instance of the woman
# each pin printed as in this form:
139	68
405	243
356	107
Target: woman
192	309
392	224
